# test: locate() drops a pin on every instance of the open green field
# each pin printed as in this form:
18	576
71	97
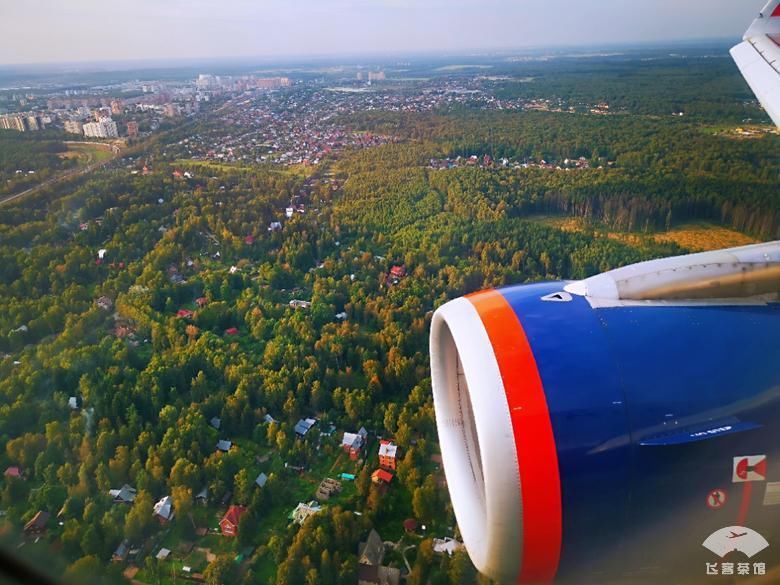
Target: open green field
697	236
87	153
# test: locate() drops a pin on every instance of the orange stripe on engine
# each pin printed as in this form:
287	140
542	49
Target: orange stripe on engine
534	439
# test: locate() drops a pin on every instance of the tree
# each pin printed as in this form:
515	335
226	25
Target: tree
247	528
424	500
363	481
221	571
244	485
83	570
182	503
91	541
140	517
461	571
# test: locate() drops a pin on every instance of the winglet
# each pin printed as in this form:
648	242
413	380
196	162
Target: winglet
758	58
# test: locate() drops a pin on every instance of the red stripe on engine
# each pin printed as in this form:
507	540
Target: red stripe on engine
534	439
777	11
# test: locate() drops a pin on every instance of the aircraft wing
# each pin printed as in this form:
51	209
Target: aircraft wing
758	58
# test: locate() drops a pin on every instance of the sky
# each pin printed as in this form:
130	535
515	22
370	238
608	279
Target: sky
47	31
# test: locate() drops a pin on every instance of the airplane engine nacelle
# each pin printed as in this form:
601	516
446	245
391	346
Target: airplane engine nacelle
607	427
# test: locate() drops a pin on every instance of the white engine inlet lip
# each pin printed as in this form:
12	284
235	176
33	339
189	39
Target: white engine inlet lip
487	501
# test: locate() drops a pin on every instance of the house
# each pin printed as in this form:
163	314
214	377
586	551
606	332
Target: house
261	479
341	316
216	422
163	510
229	523
388	452
73	403
370	568
398	272
328	487
274	226
104	303
121	552
202	497
124	495
297	304
184	314
37	525
303	511
446	545
231	331
352	443
288	212
372	551
163	554
13	472
201	301
303	426
224	446
382	476
395	275
249	240
410	525
269	419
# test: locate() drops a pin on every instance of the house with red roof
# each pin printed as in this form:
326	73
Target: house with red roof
201	301
382	476
13	472
388	453
184	314
395	275
231	331
398	271
249	240
229	523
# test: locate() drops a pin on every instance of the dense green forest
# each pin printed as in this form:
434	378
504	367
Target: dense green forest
162	303
706	86
645	174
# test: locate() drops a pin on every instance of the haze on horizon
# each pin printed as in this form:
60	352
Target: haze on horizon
48	31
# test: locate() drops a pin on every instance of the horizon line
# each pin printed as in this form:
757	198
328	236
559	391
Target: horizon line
287	58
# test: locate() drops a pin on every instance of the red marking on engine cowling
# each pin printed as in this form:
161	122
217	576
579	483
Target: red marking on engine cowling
534	439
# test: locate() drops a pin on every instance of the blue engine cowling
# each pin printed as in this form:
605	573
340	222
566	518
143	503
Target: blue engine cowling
586	438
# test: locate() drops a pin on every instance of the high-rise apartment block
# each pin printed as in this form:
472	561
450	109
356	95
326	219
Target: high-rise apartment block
103	128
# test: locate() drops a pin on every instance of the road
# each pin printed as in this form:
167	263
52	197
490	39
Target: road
66	175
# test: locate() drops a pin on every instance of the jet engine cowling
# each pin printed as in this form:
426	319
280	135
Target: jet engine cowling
581	424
